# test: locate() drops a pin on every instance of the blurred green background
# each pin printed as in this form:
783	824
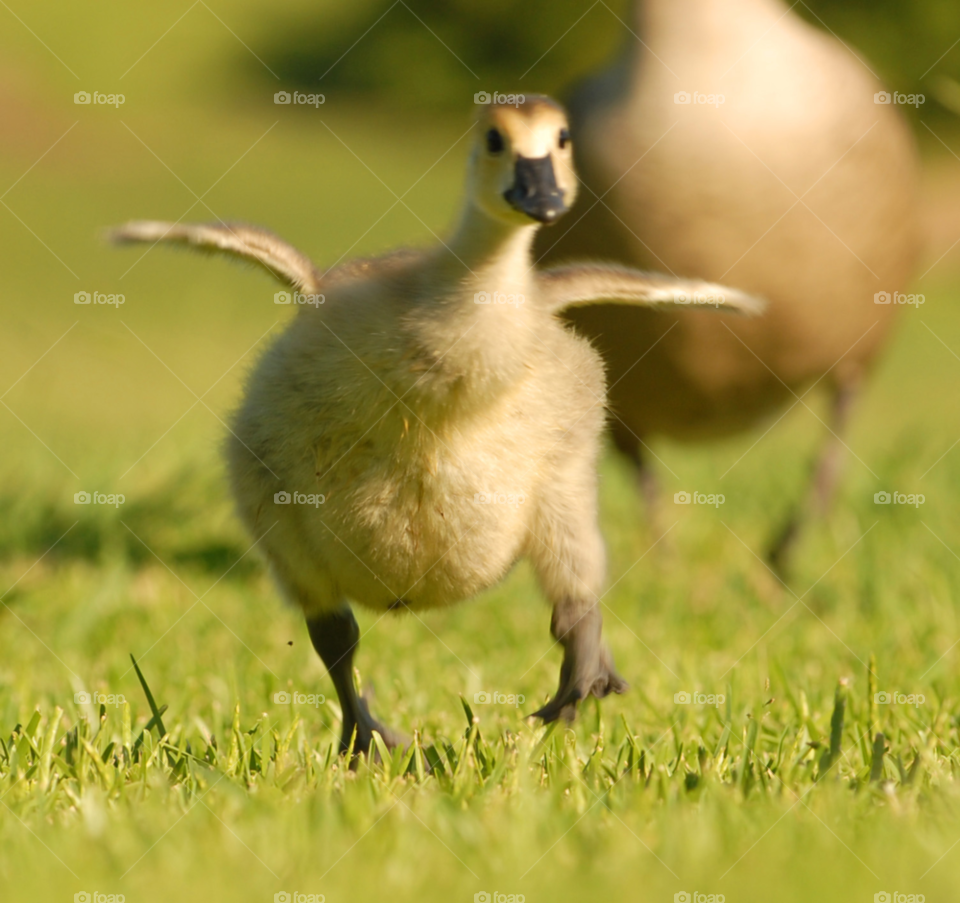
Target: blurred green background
541	45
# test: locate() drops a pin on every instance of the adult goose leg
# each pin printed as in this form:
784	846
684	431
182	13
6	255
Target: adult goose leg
631	446
826	475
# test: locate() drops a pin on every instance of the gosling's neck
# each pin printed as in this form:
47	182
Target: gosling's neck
493	254
480	313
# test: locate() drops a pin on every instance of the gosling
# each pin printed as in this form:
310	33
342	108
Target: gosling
712	191
425	387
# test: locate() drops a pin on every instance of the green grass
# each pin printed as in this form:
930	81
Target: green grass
243	797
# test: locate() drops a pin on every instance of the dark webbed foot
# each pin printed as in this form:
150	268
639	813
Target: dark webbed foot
587	663
366	725
335	637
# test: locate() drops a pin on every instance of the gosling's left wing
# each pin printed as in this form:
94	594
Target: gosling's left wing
577	285
258	246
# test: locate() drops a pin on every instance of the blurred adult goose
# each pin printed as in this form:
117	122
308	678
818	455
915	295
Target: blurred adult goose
734	142
429	419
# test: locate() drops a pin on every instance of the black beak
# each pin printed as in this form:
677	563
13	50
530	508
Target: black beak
534	191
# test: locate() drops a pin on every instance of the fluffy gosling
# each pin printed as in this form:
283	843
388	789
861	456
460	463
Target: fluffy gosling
428	386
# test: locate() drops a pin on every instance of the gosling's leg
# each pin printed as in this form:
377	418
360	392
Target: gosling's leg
587	663
335	636
826	475
568	555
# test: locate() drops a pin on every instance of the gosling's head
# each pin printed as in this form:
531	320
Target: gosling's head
521	169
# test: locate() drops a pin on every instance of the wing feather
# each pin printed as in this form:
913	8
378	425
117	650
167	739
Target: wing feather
263	248
577	285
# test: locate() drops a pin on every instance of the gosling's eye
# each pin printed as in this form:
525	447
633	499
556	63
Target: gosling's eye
564	138
494	141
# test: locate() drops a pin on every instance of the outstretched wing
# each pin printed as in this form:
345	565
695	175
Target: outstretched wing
596	283
282	261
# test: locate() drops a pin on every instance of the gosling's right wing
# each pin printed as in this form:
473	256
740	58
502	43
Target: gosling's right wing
597	283
280	260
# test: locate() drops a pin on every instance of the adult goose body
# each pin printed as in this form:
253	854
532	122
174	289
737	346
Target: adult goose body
732	141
